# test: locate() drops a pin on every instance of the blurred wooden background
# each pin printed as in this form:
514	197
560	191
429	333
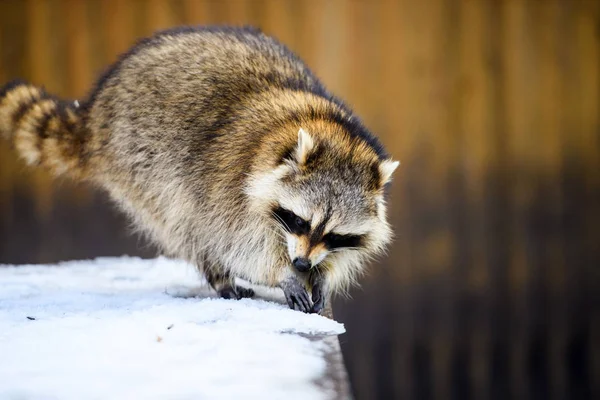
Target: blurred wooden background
491	289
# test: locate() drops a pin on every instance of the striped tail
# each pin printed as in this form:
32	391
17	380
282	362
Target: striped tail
45	130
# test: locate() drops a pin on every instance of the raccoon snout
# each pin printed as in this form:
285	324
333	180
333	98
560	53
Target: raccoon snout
301	264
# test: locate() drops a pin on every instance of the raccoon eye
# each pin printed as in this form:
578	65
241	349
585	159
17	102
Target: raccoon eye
300	223
292	222
336	241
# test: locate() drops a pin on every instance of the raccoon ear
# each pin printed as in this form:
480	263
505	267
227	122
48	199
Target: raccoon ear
386	169
305	145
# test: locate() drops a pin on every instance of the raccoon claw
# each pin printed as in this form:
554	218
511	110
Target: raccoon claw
318	302
229	292
296	295
299	302
318	298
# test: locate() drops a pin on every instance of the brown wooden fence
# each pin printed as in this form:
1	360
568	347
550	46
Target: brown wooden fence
491	287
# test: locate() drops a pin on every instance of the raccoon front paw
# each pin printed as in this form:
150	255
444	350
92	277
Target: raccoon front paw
318	294
236	293
244	293
318	298
296	295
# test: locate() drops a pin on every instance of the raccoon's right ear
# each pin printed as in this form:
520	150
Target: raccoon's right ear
386	169
305	145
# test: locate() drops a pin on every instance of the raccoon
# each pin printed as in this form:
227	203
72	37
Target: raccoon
226	151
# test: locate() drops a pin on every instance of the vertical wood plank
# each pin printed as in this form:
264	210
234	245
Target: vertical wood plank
39	50
278	18
395	28
519	67
159	16
476	124
6	156
393	31
78	47
476	109
197	12
588	56
40	60
520	81
358	79
309	46
238	12
7	175
550	125
587	44
332	28
118	28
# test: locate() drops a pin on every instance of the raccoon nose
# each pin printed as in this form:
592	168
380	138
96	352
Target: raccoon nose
301	264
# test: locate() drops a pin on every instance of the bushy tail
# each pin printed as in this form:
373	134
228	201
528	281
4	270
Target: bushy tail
45	130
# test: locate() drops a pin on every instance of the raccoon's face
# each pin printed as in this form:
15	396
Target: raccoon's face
311	239
326	200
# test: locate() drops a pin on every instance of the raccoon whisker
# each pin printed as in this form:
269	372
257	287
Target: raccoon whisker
345	248
278	218
281	237
277	233
281	222
318	272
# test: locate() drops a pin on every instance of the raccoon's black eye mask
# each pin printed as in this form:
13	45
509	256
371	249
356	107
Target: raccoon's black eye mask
337	241
292	222
296	225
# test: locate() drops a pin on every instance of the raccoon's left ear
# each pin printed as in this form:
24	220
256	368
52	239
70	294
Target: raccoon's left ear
305	145
386	169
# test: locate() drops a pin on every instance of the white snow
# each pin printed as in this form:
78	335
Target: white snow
126	328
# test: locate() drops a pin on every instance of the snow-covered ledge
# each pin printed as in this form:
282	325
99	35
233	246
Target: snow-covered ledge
149	329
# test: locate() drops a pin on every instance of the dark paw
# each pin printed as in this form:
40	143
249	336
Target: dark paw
318	302
319	292
318	298
244	293
229	292
296	295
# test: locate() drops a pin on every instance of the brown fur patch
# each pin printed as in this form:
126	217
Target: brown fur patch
316	251
302	246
